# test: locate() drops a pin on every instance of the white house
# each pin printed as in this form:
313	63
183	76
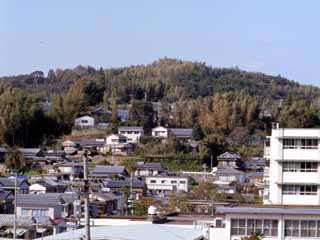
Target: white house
116	139
133	134
294	169
160	132
84	121
167	184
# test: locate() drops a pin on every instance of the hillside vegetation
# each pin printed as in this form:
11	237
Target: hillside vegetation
223	104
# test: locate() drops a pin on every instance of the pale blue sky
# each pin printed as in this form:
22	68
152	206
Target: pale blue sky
271	36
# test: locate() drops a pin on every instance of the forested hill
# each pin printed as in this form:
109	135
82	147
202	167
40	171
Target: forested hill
166	79
220	103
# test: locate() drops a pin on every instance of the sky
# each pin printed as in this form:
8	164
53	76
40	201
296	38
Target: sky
274	37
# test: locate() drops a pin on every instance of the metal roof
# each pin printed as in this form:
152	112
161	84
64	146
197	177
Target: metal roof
40	200
6	220
128	128
135	232
290	210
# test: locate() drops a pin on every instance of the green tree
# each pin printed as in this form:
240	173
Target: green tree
197	133
14	160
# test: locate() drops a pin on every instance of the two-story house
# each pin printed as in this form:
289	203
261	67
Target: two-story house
166	184
133	134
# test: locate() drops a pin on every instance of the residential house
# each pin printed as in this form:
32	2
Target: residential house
6	198
133	134
70	170
47	186
8	184
53	206
148	169
106	203
183	134
138	187
160	132
167	184
108	172
25	226
117	144
228	159
84	122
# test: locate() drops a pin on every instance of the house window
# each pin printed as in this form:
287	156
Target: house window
25	211
240	227
163	181
152	181
39	212
299	190
84	121
182	182
300	167
302	228
173	182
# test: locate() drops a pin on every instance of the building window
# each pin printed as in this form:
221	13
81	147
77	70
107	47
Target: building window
182	182
309	143
300	143
299	190
152	181
300	167
302	228
173	182
240	227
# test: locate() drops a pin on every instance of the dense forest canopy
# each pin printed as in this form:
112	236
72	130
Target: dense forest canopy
226	102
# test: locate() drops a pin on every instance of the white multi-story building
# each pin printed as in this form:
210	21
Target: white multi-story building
167	184
291	209
294	171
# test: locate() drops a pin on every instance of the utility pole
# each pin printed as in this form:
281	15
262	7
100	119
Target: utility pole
86	196
211	162
15	206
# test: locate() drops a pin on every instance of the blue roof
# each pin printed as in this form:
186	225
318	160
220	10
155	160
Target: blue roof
134	232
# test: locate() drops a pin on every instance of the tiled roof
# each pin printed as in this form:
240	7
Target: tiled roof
40	200
10	182
149	166
228	171
108	169
181	132
228	155
7	220
123	183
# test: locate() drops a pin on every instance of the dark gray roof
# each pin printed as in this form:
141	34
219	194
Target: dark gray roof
254	174
101	169
29	151
149	166
9	182
134	129
5	195
104	196
228	155
123	183
290	210
48	200
6	220
228	171
181	132
89	142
